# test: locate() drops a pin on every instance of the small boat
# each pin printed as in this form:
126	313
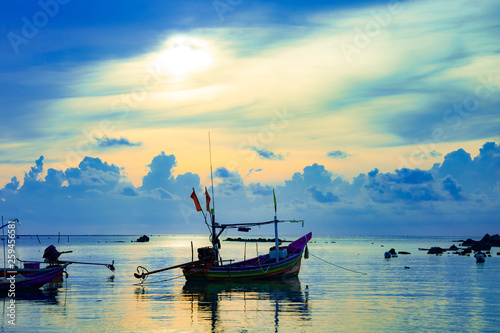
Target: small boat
18	281
29	268
263	267
279	263
480	257
32	269
387	255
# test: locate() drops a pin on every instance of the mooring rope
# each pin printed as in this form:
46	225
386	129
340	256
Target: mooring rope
146	283
338	266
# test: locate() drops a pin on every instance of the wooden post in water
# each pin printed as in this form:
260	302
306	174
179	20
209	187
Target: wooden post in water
38	239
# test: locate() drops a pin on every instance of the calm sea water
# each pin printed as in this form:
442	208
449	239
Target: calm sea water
416	292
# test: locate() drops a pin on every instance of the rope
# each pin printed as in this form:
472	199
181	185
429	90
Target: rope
347	269
144	283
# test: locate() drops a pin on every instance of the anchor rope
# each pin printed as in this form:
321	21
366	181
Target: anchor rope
144	283
338	266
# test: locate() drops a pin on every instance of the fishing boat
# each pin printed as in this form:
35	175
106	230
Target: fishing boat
51	256
279	263
22	281
31	268
269	266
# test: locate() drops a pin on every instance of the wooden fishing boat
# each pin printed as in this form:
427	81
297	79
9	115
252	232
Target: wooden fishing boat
16	281
27	269
279	263
264	267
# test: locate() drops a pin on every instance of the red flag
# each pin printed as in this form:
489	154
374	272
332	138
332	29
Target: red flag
196	202
207	197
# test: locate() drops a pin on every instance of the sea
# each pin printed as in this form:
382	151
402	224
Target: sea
346	285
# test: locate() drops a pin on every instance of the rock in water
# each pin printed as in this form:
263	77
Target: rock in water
143	239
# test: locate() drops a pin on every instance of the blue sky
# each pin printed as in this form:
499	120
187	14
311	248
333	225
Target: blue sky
366	117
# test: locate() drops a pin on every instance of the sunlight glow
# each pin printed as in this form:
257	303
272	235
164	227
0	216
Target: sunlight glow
184	55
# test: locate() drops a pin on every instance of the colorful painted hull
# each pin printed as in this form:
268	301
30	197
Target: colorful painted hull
33	280
259	268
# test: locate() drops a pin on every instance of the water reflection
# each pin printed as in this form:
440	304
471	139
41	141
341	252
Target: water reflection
264	300
48	296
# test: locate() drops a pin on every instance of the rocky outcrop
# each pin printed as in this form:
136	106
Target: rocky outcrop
436	250
143	239
485	244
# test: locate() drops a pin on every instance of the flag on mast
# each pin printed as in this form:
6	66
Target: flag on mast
196	202
275	205
207	198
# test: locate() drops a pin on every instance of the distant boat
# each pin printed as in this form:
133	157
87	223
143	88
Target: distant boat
387	255
480	257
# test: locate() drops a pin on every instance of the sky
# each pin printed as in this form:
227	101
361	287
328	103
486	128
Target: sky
365	117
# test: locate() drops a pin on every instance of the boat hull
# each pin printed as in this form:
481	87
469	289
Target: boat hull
25	271
259	268
32	280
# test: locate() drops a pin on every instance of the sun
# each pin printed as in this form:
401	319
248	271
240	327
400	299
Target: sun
183	55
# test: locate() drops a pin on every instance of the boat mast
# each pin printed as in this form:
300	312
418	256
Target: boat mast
212	211
276	229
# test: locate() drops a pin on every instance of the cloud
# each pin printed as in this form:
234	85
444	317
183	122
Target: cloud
160	172
421	155
337	154
267	154
231	182
130	191
95	197
162	183
321	197
252	170
480	173
222	172
434	153
258	189
374	100
410	186
106	142
112	65
453	188
13	185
